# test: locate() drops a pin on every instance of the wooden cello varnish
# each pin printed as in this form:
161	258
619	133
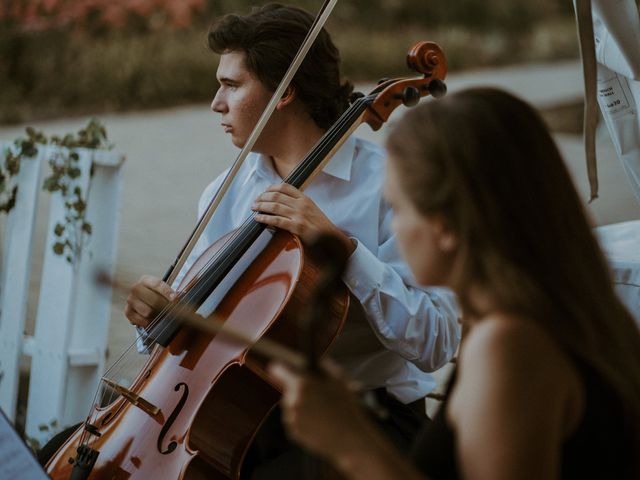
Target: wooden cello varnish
212	394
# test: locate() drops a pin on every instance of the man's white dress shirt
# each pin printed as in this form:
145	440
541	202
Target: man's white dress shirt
408	330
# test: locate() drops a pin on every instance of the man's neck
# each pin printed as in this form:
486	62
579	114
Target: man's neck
292	146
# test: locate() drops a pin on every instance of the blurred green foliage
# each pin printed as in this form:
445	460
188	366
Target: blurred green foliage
93	66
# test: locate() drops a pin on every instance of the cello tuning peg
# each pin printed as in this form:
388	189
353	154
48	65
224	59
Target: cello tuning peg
437	88
410	96
355	96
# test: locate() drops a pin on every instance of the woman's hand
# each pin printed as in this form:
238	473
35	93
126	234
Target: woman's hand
321	412
324	415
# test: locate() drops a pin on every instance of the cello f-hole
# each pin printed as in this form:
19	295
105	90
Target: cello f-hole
172	418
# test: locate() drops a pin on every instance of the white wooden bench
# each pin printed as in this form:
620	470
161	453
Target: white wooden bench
68	348
621	244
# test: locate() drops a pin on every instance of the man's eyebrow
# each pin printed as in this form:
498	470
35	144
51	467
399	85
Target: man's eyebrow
227	80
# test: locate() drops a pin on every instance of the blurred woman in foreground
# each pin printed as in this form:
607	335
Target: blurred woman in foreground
547	383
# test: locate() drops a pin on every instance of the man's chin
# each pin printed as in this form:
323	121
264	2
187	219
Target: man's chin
238	142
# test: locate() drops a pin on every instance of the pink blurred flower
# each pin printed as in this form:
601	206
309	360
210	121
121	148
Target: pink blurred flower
42	14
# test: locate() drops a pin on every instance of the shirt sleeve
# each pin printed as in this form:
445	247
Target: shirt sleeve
420	324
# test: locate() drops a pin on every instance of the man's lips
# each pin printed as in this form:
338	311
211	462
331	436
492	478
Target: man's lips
226	127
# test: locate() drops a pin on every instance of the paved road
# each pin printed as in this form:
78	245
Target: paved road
173	153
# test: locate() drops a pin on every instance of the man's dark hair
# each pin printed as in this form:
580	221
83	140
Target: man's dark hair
270	37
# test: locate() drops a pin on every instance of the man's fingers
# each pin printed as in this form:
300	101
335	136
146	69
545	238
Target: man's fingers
279	222
276	197
156	297
141	308
134	317
273	208
157	285
286	189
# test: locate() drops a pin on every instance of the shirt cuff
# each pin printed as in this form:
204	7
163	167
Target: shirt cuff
364	272
143	343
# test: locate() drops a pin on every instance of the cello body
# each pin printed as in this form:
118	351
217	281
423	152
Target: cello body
212	393
196	405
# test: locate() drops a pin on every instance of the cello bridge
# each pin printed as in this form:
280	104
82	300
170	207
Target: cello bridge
133	398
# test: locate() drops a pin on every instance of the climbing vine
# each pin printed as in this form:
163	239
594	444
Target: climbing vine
72	233
9	169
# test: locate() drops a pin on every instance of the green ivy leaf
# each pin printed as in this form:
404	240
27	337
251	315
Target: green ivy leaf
86	227
58	229
58	248
8	157
79	206
50	185
28	148
12	165
10	202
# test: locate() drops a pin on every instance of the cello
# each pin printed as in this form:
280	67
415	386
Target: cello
197	403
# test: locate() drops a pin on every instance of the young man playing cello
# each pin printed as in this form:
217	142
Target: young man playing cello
387	351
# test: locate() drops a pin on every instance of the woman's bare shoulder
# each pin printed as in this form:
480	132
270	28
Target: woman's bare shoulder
513	360
508	336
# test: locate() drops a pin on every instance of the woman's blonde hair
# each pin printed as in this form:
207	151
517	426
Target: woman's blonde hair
485	162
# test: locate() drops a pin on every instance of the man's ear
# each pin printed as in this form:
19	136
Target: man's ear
288	97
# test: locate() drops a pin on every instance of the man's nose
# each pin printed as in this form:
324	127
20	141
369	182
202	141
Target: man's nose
217	105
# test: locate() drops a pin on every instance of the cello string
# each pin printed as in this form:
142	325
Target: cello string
212	266
231	247
308	163
316	26
310	37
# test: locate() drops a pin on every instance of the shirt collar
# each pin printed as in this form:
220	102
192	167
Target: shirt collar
339	166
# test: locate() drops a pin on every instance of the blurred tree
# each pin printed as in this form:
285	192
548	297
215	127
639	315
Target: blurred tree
65	56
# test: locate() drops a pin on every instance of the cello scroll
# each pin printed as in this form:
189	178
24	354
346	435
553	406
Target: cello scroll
424	57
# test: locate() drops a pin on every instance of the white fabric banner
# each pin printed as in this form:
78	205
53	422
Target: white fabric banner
616	26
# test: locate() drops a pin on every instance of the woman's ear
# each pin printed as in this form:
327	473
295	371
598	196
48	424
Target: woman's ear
447	237
448	241
288	97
